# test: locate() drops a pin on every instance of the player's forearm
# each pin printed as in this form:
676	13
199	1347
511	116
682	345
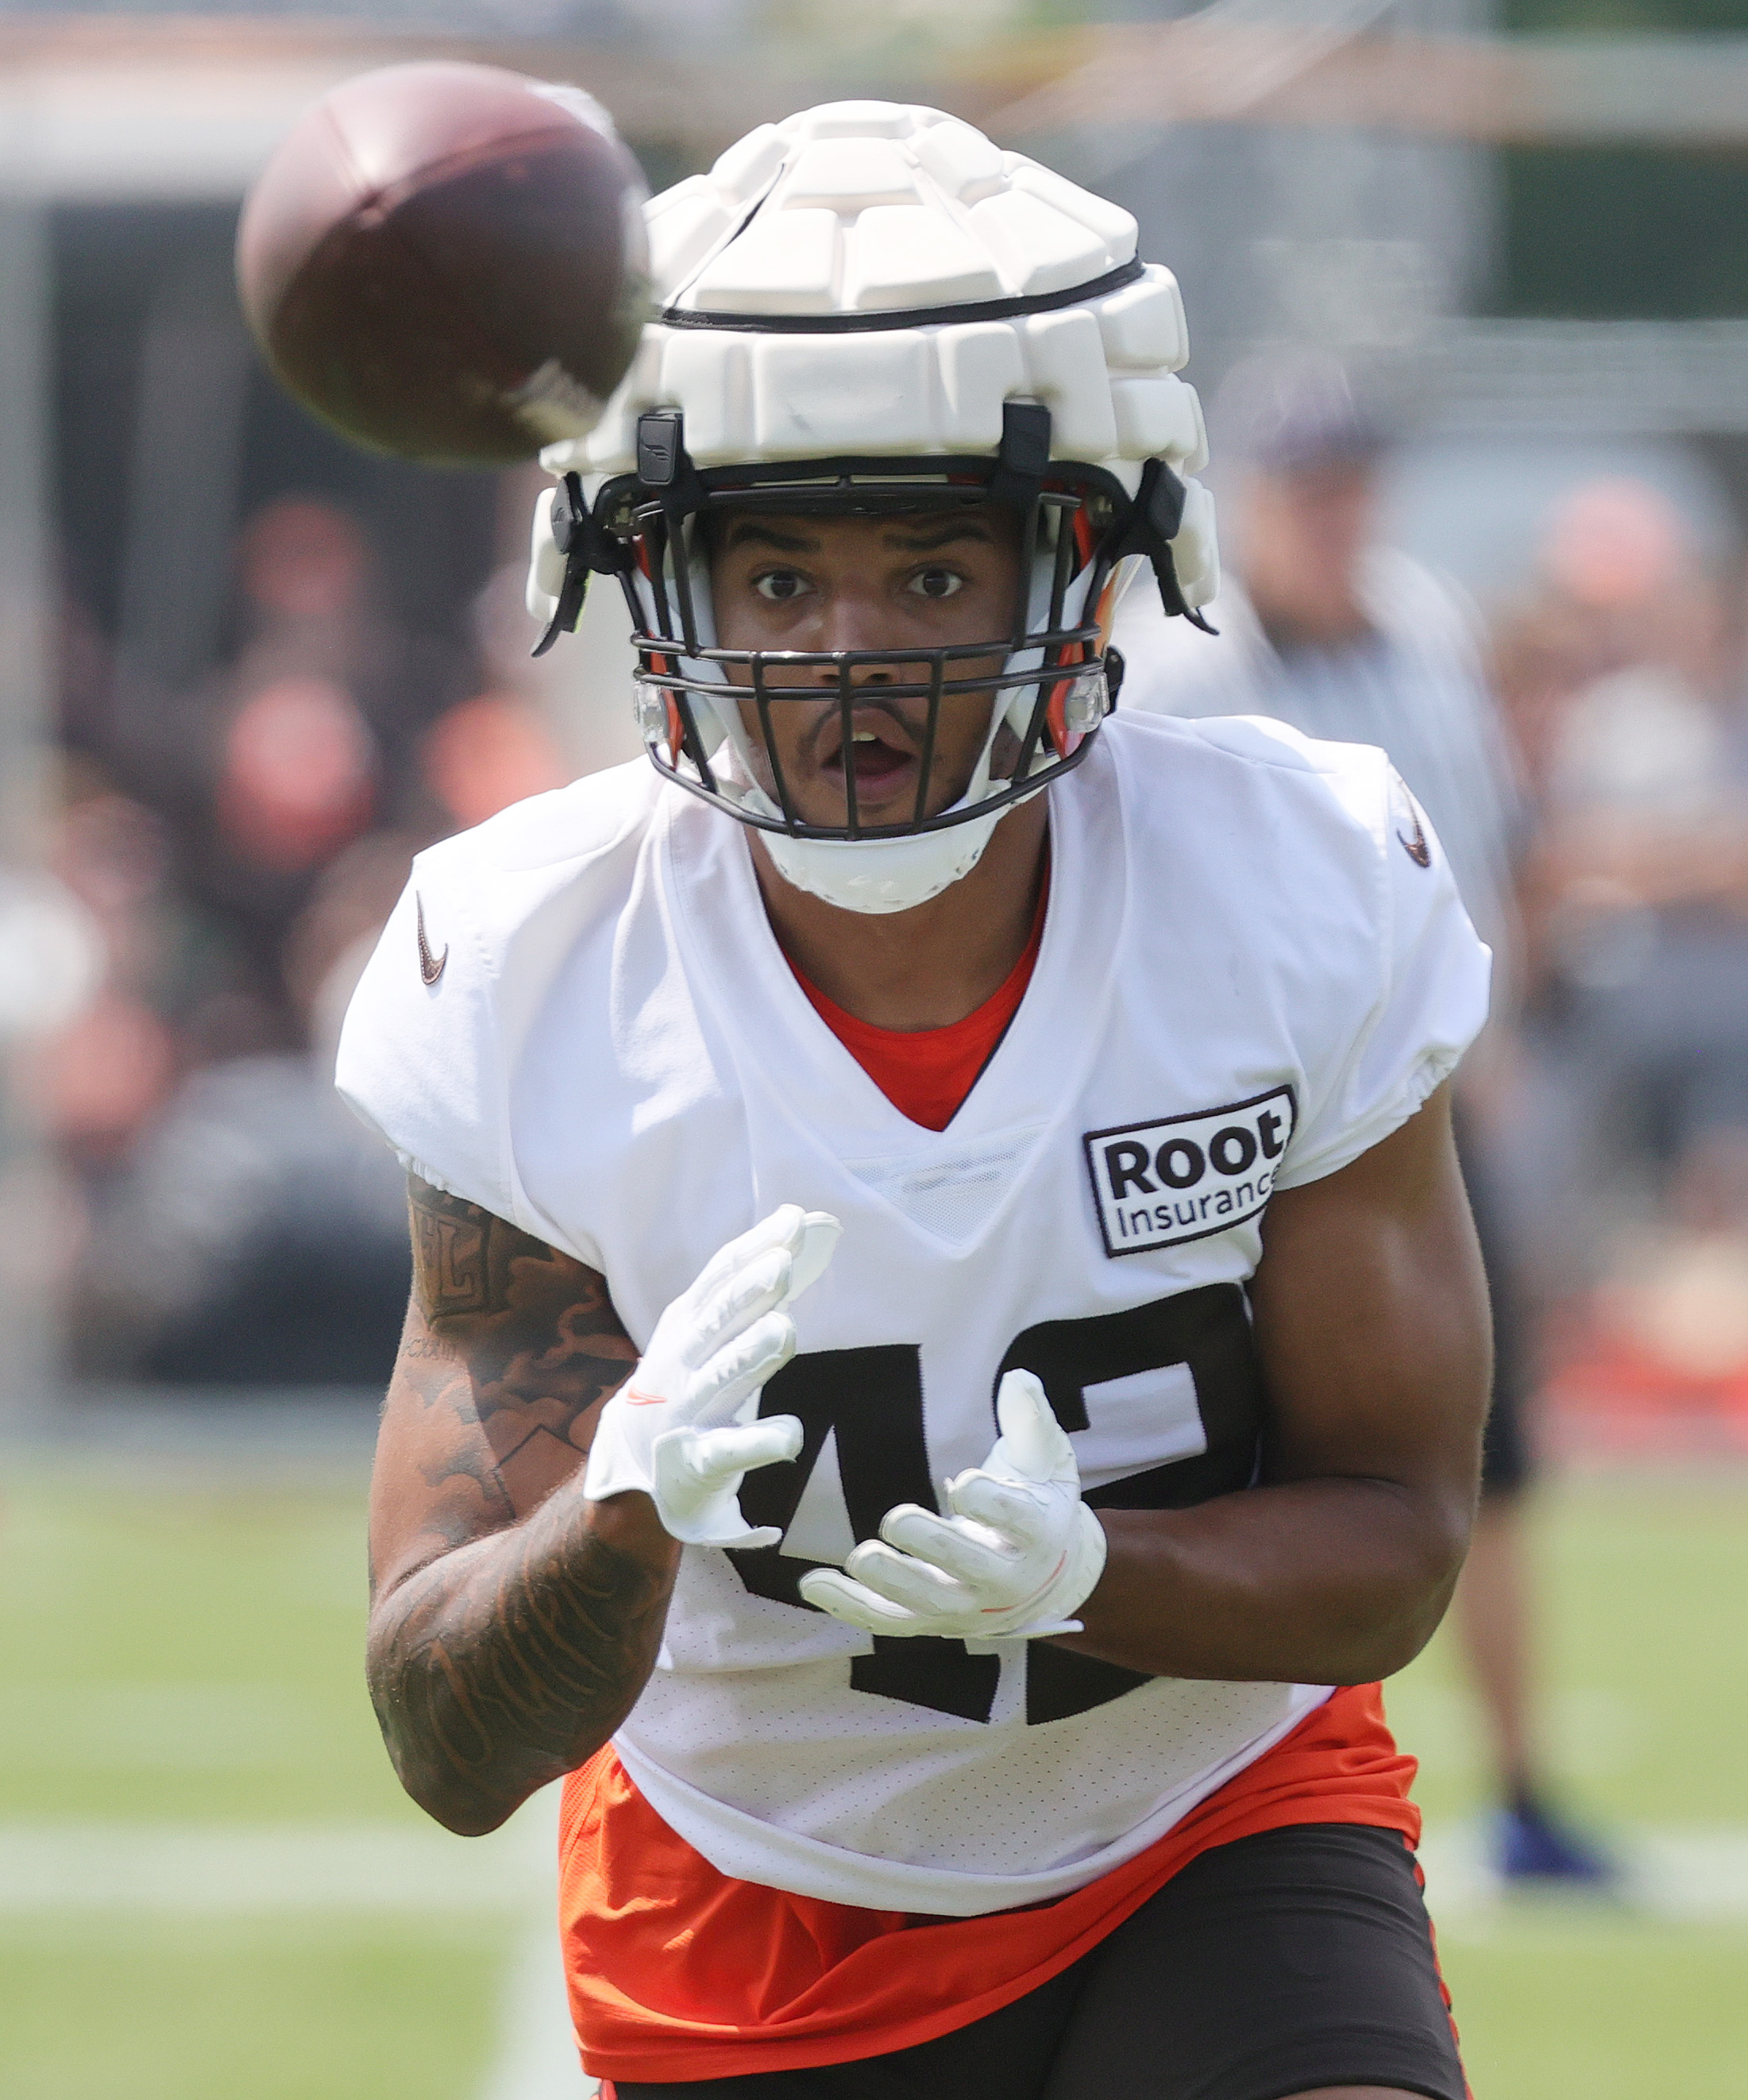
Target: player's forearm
1324	1581
510	1660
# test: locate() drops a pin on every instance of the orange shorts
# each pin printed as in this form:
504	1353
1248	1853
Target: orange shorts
678	1972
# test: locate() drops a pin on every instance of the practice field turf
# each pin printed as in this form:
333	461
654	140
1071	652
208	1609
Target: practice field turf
210	1887
1647	1644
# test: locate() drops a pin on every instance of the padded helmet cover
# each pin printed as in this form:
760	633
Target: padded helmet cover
860	209
873	280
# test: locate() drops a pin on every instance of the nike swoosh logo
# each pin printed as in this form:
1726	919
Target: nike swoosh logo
431	967
1416	848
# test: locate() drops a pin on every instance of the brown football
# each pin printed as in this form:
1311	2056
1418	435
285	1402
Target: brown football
447	261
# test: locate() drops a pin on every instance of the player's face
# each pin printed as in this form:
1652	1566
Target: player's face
1302	539
921	581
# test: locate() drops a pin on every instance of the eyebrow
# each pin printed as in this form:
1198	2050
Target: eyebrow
929	540
746	532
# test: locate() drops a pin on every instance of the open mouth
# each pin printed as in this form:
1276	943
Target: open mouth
879	754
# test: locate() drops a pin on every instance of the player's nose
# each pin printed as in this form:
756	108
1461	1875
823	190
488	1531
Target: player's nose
860	675
852	626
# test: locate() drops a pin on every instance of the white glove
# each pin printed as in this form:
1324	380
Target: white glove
671	1429
1016	1560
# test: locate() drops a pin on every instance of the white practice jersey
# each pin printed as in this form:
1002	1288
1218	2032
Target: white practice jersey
1254	967
1413	683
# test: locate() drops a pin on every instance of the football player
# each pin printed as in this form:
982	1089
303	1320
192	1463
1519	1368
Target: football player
948	1352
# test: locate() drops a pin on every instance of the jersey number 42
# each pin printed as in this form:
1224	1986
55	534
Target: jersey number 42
870	1401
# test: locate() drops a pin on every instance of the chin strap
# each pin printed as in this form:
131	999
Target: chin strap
587	550
1154	522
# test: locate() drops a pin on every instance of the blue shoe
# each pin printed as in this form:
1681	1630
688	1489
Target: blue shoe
1533	1844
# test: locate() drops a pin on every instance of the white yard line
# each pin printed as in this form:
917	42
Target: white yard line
535	2057
154	1871
219	1870
1689	1877
162	1871
536	2053
168	1869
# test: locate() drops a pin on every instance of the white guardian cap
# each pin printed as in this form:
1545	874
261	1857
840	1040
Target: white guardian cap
867	309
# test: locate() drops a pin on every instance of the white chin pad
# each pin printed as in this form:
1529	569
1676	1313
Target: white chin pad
879	876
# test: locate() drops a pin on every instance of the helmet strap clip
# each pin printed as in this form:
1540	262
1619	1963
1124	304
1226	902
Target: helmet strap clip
1154	519
1024	457
665	468
587	550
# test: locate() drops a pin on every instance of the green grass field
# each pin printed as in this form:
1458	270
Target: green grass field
177	1657
210	1887
1646	1645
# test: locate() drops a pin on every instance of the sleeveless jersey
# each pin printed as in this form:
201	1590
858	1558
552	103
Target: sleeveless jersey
1254	967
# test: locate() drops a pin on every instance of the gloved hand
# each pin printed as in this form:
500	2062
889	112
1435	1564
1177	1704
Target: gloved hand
1017	1557
671	1429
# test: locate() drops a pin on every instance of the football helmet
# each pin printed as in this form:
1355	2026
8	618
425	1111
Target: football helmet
868	309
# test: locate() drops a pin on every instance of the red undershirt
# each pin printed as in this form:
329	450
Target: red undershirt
926	1073
678	1972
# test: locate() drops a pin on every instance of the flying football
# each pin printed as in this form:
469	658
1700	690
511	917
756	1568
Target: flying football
447	261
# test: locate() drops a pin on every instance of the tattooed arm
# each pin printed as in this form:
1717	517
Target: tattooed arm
513	1624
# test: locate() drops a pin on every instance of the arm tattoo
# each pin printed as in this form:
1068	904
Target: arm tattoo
521	1345
519	1637
452	1246
502	1676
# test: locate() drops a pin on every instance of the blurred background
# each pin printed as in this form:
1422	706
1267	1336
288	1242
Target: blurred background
246	671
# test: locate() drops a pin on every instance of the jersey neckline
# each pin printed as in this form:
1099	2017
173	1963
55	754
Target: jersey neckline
925	1071
790	1065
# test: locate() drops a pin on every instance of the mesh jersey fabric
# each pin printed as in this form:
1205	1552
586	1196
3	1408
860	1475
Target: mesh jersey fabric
779	1952
676	1971
618	1058
926	1073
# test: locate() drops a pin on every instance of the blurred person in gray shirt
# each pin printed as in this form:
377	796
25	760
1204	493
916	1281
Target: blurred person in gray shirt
1355	643
1343	638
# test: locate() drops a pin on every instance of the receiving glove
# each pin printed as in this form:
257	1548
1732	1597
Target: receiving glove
671	1430
1017	1557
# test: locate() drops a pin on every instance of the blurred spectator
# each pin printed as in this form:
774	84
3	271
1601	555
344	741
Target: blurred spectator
295	774
310	607
259	1235
1625	677
98	1079
240	1228
488	753
309	735
1324	628
1346	639
582	690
